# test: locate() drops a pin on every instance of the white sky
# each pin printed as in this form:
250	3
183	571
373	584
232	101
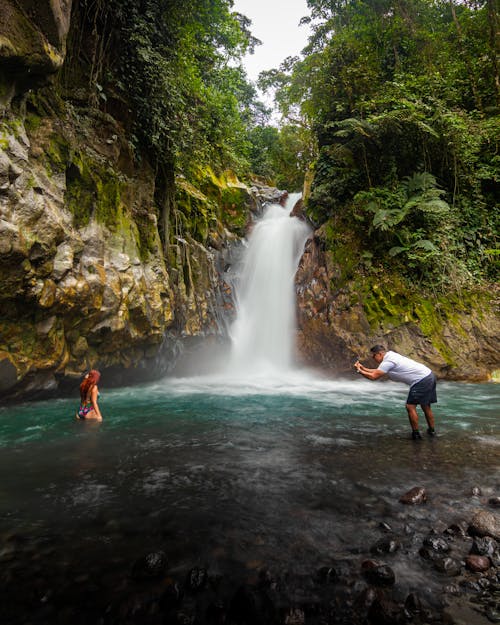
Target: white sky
276	24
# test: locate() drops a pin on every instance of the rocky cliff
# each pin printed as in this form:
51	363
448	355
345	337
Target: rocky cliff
339	320
85	280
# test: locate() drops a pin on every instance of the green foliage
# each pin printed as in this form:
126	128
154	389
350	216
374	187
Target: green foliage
171	71
404	99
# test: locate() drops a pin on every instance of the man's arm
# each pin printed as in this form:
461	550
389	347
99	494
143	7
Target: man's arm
371	374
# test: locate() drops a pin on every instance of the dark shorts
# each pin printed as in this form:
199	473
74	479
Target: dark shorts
423	392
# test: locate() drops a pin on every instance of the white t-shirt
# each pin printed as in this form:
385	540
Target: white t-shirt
402	369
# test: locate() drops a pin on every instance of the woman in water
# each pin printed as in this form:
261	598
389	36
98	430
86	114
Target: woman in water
89	393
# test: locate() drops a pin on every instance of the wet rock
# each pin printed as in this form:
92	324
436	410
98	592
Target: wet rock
476	491
493	614
485	523
484	546
326	575
415	495
457	529
385	545
378	574
412	606
295	616
196	579
477	564
298	210
437	544
448	565
385	526
494	501
151	566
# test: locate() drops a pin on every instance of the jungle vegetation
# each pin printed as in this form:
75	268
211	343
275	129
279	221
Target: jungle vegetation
403	100
393	106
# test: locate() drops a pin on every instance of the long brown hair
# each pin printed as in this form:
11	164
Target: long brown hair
90	380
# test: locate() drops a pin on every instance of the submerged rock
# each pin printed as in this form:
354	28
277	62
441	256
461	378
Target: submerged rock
415	495
437	544
385	545
448	565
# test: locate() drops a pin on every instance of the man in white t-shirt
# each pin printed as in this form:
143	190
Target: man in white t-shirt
420	379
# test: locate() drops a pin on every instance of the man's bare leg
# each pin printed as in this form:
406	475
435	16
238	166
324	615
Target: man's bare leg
428	416
411	409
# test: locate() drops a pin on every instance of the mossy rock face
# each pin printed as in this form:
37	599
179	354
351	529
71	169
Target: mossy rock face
210	201
339	319
32	43
84	249
234	209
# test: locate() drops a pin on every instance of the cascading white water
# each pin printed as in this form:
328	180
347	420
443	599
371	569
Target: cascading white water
264	330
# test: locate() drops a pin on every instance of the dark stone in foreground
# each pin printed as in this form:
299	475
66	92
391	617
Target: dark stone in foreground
416	495
378	574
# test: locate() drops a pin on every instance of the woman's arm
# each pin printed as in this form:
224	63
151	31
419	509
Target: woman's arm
95	405
371	374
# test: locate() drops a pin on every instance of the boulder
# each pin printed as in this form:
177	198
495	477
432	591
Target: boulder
485	523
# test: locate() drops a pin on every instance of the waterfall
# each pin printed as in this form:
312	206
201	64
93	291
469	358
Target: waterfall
263	334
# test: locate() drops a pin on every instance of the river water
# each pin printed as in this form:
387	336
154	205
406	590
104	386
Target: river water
236	478
261	466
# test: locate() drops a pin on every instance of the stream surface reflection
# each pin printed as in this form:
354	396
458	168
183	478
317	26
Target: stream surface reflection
288	473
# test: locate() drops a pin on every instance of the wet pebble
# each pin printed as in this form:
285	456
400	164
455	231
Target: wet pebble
295	616
484	546
494	501
378	574
412	605
447	565
326	575
493	614
385	545
436	543
385	526
151	566
416	495
196	579
477	564
457	529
